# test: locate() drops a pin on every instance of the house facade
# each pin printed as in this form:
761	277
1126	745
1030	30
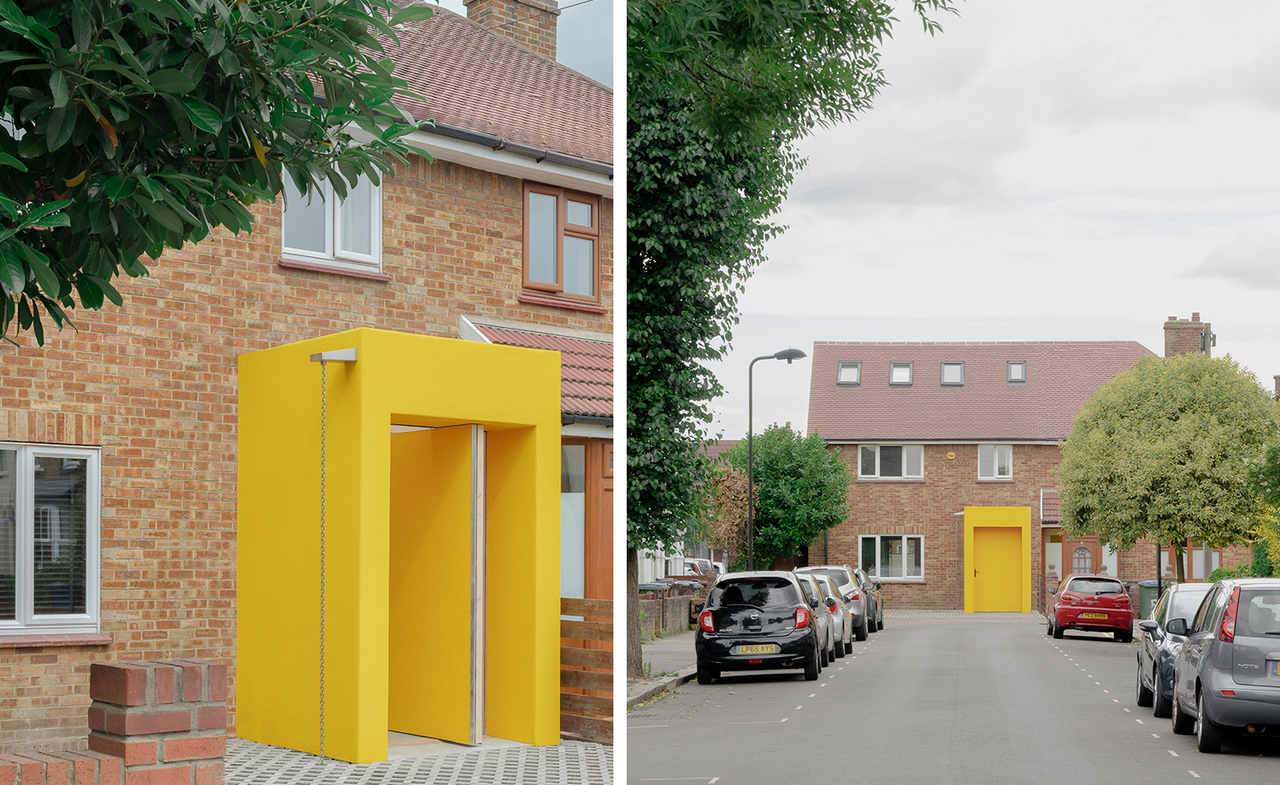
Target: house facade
118	443
952	449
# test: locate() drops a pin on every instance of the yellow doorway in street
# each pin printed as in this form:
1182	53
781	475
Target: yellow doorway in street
997	559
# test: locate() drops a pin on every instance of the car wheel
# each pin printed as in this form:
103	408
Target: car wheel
1057	628
1125	636
1144	693
1163	705
1208	734
811	670
840	650
1048	625
707	674
1182	723
880	623
823	659
861	631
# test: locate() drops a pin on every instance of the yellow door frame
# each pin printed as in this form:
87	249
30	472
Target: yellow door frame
1012	517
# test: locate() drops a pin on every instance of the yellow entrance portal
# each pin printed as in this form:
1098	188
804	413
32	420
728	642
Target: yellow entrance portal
997	559
420	525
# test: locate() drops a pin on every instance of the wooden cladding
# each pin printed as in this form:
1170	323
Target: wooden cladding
586	670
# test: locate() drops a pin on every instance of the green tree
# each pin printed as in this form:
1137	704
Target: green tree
132	126
801	490
1163	452
1264	479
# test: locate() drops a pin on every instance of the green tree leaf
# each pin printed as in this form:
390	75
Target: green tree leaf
172	81
203	116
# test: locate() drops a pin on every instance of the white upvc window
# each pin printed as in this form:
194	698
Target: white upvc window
995	461
900	373
849	373
890	557
49	547
891	461
953	374
1017	371
343	233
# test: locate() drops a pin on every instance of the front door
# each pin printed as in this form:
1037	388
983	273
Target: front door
997	565
436	575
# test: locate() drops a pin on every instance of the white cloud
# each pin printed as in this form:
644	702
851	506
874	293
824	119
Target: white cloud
1252	260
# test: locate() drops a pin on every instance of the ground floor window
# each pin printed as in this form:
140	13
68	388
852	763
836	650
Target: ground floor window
889	556
49	502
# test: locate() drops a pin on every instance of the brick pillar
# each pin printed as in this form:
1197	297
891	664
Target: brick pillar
530	23
166	720
1187	337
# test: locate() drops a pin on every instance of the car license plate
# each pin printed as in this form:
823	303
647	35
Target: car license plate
758	648
1093	615
1273	668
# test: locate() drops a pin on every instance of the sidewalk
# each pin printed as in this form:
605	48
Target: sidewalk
672	662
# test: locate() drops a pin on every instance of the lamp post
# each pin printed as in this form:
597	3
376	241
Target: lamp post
788	355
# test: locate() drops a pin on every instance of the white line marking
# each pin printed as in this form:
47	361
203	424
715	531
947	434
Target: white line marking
1174	754
1140	722
798	708
784	719
1193	774
1126	709
1113	700
814	695
1107	692
1155	735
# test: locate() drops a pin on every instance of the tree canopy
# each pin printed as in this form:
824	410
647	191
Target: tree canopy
132	126
1163	452
801	489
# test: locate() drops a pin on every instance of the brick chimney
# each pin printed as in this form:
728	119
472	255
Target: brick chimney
1186	337
530	23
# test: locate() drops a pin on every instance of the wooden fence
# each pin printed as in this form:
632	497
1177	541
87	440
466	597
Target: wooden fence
586	670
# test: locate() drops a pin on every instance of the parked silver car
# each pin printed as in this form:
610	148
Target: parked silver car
1158	647
858	599
843	629
822	617
1227	674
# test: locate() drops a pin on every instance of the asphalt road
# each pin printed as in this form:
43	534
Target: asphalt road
936	701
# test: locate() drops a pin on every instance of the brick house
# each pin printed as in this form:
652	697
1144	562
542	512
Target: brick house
945	441
118	442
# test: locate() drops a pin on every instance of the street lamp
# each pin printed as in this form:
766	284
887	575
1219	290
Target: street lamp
788	355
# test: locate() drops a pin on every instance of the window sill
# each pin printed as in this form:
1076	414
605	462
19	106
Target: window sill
891	479
996	480
53	641
903	580
321	267
575	305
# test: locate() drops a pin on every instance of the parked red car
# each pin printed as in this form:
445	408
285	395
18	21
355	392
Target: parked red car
1096	603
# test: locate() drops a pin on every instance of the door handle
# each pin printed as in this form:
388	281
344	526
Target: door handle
975	572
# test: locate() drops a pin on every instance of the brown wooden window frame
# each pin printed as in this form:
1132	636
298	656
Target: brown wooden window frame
563	229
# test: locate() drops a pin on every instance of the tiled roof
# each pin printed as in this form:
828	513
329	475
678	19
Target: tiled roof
484	82
1049	507
586	368
1060	378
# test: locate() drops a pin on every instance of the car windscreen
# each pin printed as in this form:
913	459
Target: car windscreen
1186	600
1096	586
758	592
839	578
1259	613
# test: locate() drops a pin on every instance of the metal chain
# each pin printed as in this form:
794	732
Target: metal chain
322	457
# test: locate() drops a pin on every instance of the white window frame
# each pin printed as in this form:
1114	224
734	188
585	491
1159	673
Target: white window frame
877	475
856	365
996	450
875	570
1022	366
26	622
333	228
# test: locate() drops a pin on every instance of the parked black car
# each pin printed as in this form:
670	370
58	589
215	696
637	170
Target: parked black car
1158	646
756	621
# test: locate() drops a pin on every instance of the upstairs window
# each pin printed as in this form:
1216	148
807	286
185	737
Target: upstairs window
344	233
900	374
995	461
891	461
1017	372
849	374
561	243
953	374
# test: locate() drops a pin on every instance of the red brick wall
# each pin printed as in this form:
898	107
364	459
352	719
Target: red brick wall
154	383
530	23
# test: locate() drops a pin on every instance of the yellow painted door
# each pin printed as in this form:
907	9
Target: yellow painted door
435	653
997	568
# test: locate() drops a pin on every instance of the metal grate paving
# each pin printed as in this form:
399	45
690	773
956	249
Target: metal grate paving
901	613
569	763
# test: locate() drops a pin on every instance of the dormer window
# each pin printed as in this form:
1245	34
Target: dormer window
849	374
900	374
1017	372
953	374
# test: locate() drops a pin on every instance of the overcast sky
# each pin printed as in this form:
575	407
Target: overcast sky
1038	171
584	36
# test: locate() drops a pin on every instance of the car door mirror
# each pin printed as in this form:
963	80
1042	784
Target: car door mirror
831	603
813	603
1177	626
698	607
1053	591
1149	626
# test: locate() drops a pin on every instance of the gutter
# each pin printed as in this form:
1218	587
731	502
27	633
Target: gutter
496	143
574	419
